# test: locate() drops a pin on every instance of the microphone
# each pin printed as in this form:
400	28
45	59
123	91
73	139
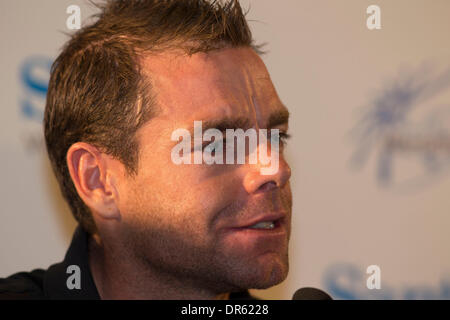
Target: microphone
308	293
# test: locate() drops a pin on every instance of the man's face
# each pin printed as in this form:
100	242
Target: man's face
190	220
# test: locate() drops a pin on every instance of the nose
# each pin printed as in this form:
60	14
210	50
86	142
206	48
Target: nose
255	182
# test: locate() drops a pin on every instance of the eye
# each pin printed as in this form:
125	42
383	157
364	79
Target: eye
210	146
284	137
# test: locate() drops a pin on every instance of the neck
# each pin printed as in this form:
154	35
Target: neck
118	276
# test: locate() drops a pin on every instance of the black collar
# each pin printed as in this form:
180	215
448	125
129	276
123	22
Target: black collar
55	279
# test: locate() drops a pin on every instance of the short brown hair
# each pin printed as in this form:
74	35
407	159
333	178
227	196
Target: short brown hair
97	91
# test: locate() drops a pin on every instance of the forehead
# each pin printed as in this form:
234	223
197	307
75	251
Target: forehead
222	83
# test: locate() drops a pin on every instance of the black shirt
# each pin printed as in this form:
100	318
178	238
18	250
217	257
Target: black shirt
52	283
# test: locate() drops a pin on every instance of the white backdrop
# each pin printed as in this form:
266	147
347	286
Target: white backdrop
370	151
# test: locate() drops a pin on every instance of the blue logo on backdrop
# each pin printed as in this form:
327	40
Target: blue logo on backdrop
348	282
407	127
34	77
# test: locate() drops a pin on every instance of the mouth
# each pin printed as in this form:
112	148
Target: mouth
263	234
266	223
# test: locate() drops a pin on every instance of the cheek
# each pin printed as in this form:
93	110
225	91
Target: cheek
197	187
213	189
286	194
176	197
178	194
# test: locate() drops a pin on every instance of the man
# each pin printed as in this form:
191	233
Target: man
150	228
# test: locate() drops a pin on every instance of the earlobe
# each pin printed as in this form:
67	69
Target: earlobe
89	172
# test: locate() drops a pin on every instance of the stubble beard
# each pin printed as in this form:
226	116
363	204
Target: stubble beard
183	257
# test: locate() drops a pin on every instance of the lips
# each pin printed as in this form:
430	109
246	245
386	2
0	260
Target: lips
275	218
273	238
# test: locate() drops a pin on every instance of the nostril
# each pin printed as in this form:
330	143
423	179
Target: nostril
269	185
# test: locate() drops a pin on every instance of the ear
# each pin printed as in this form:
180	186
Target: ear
95	178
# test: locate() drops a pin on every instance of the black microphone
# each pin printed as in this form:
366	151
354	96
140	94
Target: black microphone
310	294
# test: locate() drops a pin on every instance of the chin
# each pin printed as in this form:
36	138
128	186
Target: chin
265	274
276	275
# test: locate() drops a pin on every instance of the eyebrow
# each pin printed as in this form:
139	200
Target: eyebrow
279	117
226	123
